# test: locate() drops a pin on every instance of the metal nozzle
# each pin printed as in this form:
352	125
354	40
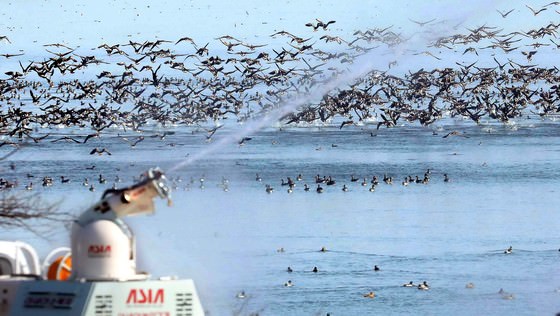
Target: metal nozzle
159	181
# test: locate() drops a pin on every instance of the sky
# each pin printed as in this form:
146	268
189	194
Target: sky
90	23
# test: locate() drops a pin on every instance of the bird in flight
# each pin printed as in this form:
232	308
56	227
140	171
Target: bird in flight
133	142
422	23
319	24
455	133
535	12
504	14
244	140
99	151
11	55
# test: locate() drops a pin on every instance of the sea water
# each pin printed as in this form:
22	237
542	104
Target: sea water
229	235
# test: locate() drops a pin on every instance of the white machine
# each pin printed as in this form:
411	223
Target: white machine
97	276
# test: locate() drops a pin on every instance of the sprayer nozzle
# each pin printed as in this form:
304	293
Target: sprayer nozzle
159	182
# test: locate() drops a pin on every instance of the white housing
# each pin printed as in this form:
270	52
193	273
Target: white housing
102	251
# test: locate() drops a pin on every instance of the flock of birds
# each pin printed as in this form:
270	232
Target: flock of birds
423	286
127	86
323	182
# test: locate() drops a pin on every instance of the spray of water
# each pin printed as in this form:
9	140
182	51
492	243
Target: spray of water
281	111
362	65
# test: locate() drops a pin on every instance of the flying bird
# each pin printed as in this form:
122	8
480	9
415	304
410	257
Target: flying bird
504	14
134	142
535	12
455	133
11	55
422	23
244	140
212	131
319	24
100	152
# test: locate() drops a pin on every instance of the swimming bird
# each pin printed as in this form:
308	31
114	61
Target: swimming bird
288	284
344	188
423	286
387	180
470	285
376	268
268	189
369	295
289	270
509	250
319	188
315	269
505	295
47	181
409	284
405	181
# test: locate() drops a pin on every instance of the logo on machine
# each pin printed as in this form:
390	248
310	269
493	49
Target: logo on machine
145	296
99	251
